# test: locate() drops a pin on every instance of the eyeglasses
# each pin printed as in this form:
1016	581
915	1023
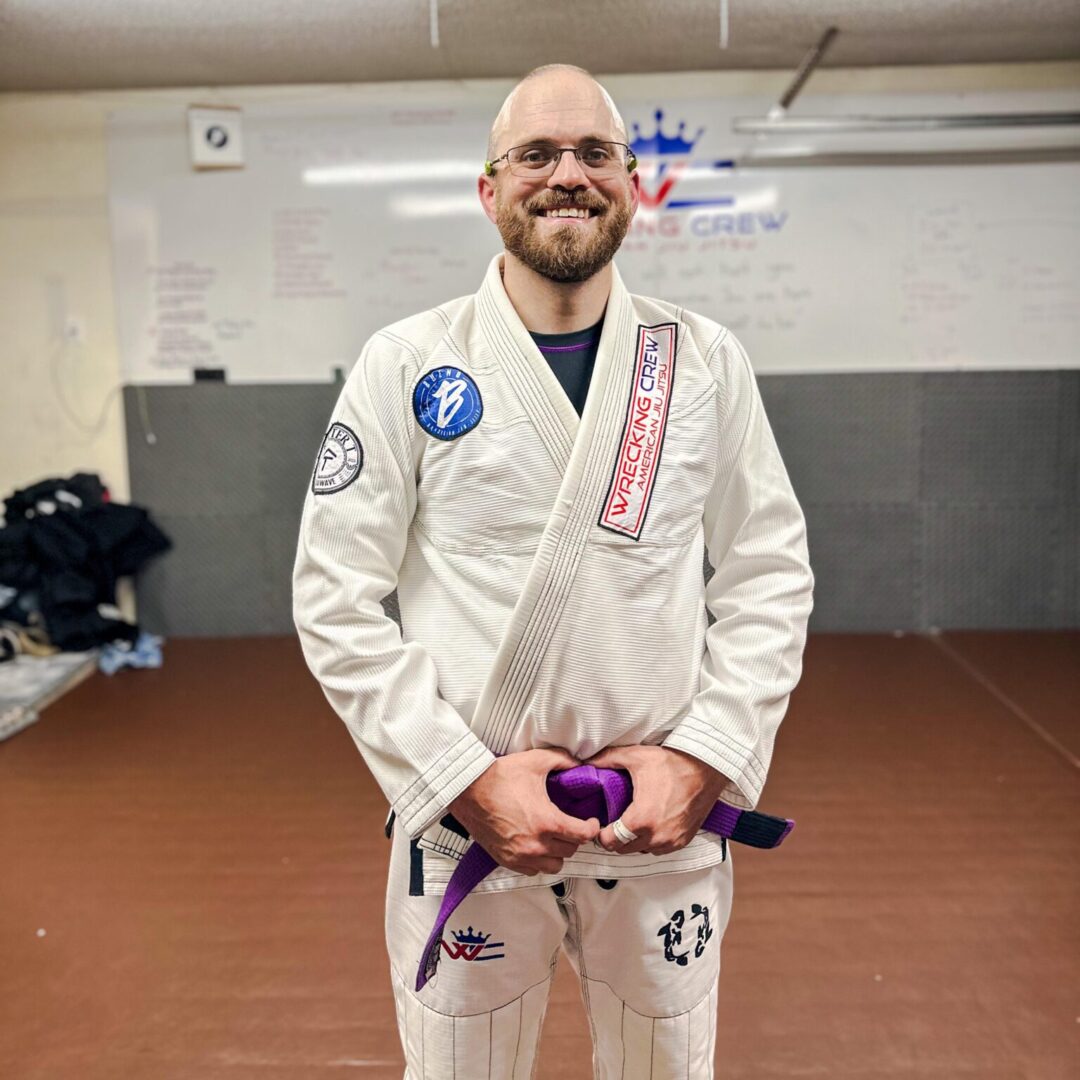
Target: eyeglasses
539	160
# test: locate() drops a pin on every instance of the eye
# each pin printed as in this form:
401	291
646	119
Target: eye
534	155
596	155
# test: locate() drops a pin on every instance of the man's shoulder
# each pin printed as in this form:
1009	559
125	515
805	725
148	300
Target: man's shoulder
416	335
402	349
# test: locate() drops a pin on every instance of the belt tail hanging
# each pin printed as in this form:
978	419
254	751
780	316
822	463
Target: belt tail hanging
747	826
585	792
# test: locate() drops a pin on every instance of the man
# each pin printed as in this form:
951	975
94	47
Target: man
538	470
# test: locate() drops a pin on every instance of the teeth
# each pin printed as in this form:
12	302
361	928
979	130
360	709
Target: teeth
572	211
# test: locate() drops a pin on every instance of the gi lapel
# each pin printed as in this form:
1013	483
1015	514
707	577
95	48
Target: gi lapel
583	450
534	383
586	451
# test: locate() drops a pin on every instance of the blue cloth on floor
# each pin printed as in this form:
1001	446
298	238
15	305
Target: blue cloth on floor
145	653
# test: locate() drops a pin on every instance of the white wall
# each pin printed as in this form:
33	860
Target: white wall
60	406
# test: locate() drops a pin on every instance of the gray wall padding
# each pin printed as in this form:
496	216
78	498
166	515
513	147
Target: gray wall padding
932	500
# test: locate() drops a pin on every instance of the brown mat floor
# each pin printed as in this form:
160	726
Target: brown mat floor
193	868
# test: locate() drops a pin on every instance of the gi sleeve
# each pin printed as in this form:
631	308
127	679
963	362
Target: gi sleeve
760	594
353	535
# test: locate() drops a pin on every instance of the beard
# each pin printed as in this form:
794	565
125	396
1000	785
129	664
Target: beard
570	252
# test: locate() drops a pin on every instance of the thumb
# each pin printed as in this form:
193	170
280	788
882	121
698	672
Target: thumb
553	759
574	829
612	757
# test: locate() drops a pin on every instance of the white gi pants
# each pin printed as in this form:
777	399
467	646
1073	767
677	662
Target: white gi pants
646	951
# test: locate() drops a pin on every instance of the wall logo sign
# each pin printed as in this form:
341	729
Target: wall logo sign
668	161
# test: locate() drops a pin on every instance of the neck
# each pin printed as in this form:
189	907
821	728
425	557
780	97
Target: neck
554	307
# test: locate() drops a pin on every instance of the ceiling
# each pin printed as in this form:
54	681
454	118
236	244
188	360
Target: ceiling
117	44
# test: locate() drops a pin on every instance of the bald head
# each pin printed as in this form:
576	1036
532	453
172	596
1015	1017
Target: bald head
554	90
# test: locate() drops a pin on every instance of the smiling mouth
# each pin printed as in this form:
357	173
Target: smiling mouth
567	213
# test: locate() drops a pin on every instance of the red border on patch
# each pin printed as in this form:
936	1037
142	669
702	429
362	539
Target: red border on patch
642	441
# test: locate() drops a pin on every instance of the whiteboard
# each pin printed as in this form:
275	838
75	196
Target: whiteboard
359	207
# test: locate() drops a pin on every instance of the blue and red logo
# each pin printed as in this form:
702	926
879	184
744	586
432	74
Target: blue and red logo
671	157
472	945
673	175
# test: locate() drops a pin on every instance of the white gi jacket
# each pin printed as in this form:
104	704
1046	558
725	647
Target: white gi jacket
549	569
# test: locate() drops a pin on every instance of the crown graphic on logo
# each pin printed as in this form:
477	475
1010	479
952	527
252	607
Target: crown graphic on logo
660	144
469	937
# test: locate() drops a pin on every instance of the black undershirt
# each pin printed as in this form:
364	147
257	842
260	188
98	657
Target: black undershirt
571	357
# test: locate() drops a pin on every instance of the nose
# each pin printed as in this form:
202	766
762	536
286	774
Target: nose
568	173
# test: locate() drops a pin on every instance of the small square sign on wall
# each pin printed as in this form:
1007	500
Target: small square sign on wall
216	136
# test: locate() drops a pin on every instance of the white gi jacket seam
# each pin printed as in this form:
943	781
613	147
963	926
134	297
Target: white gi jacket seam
707	734
743	771
442	783
386	435
699	402
407	797
401	343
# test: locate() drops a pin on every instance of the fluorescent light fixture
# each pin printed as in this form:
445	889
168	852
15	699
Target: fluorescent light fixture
392	172
424	206
746	125
761	153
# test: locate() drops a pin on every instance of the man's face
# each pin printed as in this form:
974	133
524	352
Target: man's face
566	112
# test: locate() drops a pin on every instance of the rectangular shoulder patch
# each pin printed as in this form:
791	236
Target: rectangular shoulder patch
642	442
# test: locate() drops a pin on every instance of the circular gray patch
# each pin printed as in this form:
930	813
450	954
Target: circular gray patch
341	457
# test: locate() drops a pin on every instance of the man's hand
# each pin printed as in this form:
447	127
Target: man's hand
673	794
508	813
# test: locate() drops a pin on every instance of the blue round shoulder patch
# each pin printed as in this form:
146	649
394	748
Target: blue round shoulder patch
447	403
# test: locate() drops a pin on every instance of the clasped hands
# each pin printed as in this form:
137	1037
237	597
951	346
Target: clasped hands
508	812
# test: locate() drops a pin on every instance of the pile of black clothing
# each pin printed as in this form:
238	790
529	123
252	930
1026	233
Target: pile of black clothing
63	546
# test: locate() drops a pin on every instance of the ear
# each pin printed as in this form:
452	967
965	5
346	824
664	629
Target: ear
485	188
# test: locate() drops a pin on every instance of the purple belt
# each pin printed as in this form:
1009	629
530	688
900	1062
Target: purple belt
588	792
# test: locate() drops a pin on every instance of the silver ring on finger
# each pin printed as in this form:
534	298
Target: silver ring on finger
622	833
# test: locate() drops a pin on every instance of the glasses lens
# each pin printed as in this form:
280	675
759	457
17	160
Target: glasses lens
533	160
541	159
600	157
